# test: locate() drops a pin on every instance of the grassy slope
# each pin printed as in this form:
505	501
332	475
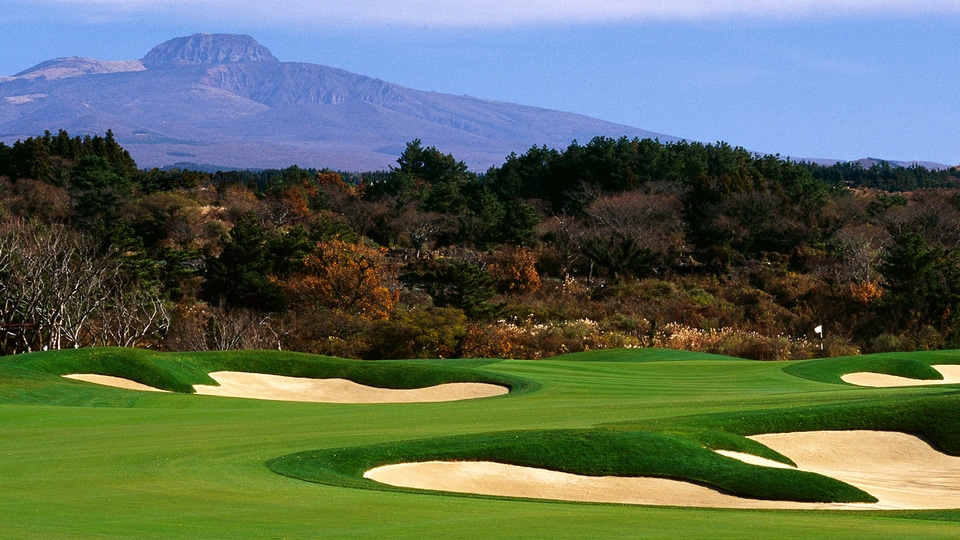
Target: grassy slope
593	452
913	365
164	465
178	372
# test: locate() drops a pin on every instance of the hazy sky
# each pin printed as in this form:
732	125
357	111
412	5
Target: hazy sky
840	79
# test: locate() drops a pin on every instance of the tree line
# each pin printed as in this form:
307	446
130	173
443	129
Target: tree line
614	243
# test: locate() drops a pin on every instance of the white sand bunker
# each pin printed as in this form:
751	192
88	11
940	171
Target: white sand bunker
116	382
280	388
276	387
950	372
490	478
900	470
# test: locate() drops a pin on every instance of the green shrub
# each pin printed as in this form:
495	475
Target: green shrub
418	333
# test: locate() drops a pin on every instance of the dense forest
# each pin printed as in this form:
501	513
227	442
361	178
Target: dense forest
615	243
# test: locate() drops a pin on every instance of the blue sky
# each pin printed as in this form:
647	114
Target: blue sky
840	79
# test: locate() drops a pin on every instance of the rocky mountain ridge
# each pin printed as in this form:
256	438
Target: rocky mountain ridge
226	100
201	49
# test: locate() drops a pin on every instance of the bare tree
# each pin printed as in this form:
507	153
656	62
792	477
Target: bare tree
653	220
859	249
422	228
20	297
233	329
935	212
80	280
136	315
633	232
59	290
219	328
563	234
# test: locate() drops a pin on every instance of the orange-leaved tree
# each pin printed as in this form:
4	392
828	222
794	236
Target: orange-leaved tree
289	203
345	276
516	269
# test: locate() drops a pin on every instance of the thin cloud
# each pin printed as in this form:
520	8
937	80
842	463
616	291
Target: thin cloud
506	12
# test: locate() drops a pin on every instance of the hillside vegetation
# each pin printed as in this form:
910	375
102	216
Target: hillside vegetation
610	244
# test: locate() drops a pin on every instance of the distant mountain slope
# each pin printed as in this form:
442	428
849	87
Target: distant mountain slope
75	66
226	100
866	163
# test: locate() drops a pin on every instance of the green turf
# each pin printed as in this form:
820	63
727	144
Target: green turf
178	372
592	452
81	461
641	355
915	365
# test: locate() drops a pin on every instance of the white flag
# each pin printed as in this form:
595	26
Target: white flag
819	330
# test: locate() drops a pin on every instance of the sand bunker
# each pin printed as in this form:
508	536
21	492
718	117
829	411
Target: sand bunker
116	382
754	460
279	388
276	387
900	470
490	478
950	372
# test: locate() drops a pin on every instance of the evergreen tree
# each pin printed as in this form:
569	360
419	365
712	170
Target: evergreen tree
241	275
922	286
456	283
98	191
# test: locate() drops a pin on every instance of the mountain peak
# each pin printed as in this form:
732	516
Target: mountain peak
223	99
205	49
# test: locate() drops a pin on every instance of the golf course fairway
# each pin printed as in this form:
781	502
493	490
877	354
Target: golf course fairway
85	460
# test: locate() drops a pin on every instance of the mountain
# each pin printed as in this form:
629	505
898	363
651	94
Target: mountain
868	162
62	68
226	100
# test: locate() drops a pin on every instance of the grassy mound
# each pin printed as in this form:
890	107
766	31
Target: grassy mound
933	418
29	377
681	447
914	365
678	448
591	452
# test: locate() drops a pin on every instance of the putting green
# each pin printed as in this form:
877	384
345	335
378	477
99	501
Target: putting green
80	461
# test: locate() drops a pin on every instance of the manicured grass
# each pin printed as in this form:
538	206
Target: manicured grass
136	464
591	452
914	365
178	372
677	447
641	355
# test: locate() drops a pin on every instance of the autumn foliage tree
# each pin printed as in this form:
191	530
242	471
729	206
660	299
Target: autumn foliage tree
516	270
290	203
345	276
